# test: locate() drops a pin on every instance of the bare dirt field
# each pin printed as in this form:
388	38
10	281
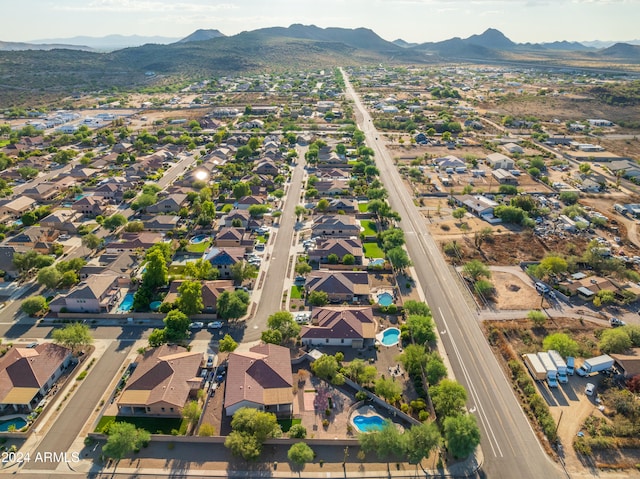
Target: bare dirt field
513	293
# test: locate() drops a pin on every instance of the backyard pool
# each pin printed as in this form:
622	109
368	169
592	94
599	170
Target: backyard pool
385	299
127	303
368	423
19	422
390	337
155	305
198	239
376	262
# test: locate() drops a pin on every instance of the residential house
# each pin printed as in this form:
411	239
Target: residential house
62	220
35	238
498	160
162	223
260	378
628	364
336	246
42	192
97	294
335	225
120	263
163	381
83	173
224	258
6	261
267	166
240	217
90	206
479	205
449	162
246	202
340	286
334	174
504	177
513	148
27	375
233	237
332	187
340	326
15	208
112	191
134	241
211	291
170	204
342	205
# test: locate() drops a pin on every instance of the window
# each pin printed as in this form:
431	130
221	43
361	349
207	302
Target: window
162	409
326	340
342	340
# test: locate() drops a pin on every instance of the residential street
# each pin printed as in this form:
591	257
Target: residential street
508	441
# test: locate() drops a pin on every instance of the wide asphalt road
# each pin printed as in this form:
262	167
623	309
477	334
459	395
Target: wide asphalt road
269	298
509	445
73	417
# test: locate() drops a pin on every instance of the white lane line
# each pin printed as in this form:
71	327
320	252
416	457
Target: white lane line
474	393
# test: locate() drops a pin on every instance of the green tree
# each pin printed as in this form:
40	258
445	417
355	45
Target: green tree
476	269
537	317
176	326
461	434
123	439
333	258
614	341
243	445
584	168
113	222
388	389
283	321
232	305
258	211
263	425
157	273
449	398
421	328
241	189
605	296
191	412
562	343
435	369
242	270
569	197
157	337
227	344
323	205
386	443
411	306
326	367
348	259
300	453
399	258
34	305
144	201
459	213
484	288
420	440
190	298
303	268
298	431
91	241
299	211
318	298
392	238
75	336
49	277
271	336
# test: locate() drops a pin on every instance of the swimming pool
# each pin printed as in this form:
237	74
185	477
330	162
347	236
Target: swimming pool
198	239
155	305
390	336
127	303
385	299
377	262
18	422
368	423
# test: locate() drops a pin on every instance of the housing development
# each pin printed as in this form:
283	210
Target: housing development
346	271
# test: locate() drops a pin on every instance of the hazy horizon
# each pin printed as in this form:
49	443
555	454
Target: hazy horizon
415	21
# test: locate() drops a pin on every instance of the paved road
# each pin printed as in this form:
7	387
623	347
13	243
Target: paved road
72	419
509	445
269	298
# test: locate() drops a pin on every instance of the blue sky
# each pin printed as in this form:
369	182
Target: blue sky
411	20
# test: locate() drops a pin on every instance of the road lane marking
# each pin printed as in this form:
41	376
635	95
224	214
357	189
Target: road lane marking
476	399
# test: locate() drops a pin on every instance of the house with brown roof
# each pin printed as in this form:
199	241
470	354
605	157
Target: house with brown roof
628	364
211	291
62	220
36	238
16	207
224	258
266	166
162	382
340	286
27	374
233	237
99	293
335	225
338	246
340	326
90	206
162	223
260	378
119	263
332	187
170	204
342	205
43	192
241	216
133	241
246	202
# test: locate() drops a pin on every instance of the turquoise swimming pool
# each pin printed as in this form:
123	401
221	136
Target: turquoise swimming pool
368	423
385	299
126	304
390	336
18	422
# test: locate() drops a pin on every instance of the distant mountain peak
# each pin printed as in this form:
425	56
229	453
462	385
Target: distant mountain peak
202	35
491	38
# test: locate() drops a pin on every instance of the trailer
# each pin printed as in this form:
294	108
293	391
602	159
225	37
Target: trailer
595	365
552	372
570	365
535	366
561	366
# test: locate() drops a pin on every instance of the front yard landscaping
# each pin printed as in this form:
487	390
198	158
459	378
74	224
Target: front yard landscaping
155	425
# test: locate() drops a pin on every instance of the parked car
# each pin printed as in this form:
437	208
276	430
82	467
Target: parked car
196	325
615	322
215	325
590	389
210	361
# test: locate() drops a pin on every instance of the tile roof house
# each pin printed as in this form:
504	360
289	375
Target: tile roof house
266	166
162	223
224	258
339	285
233	237
346	205
16	207
242	216
34	237
170	204
335	225
97	294
211	291
27	374
332	187
62	220
246	202
6	261
337	246
133	241
260	378
120	263
90	206
42	192
164	379
340	326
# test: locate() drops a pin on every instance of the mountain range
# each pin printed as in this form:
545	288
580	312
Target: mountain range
208	52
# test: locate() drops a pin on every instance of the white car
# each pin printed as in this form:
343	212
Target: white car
215	325
196	325
590	389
